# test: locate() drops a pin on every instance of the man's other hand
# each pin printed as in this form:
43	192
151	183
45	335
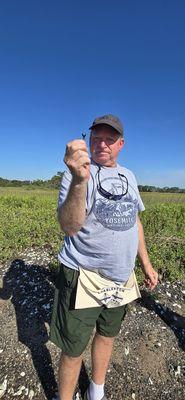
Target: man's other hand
151	277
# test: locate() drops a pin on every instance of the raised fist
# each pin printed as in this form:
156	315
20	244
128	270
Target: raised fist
77	159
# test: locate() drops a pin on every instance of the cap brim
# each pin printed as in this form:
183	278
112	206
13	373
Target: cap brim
108	124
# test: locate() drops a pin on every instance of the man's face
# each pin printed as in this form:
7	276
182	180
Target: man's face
105	145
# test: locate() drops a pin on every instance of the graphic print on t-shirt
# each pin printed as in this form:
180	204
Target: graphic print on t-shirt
118	215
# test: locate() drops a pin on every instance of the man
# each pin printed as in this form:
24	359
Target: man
98	211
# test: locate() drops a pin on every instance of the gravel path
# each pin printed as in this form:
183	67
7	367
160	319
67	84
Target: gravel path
148	360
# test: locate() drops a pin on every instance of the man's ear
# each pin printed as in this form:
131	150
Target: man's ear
122	142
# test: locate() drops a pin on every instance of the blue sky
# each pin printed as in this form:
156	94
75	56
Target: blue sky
64	63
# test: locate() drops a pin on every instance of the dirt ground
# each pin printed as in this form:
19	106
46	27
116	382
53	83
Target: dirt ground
148	360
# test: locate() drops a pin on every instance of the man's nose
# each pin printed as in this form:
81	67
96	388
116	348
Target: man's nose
102	144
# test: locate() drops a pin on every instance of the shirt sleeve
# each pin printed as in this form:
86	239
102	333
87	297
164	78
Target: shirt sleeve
141	206
64	187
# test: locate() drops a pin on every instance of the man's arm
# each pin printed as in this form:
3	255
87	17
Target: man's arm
151	276
72	212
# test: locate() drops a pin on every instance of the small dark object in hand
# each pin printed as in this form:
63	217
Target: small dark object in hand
83	136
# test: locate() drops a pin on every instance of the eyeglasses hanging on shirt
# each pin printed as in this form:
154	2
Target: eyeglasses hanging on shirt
108	195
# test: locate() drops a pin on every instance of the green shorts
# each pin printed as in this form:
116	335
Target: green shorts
71	329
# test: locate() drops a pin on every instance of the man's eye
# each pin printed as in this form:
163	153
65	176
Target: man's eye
99	140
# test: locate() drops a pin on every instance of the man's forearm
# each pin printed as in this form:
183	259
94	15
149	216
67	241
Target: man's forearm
71	214
151	276
142	250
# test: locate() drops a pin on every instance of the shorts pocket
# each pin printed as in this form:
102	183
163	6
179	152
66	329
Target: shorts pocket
70	277
68	285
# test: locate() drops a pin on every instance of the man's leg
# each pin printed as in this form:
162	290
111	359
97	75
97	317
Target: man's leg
101	353
107	326
69	370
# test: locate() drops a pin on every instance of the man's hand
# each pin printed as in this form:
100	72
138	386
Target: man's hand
151	276
77	160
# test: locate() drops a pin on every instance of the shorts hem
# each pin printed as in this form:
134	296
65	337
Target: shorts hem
107	334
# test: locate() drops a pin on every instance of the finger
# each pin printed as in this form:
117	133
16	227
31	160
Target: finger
146	282
83	160
153	284
150	283
78	154
153	277
76	145
78	160
77	164
73	158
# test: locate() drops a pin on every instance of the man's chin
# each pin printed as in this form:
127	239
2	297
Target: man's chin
103	160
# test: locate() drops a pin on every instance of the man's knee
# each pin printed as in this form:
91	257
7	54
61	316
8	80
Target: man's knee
67	359
105	340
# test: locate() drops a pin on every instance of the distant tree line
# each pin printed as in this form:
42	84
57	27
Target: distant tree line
166	189
54	183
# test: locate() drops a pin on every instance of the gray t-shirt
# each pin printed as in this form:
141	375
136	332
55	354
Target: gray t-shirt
108	240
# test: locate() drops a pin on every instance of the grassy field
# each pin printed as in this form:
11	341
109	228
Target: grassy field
28	219
151	198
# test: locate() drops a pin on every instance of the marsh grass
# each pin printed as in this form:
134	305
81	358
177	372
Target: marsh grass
28	219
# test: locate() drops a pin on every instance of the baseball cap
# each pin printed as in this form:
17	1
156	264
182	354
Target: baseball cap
110	120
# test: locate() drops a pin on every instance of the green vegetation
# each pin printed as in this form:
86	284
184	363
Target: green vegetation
166	189
54	182
166	198
28	219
